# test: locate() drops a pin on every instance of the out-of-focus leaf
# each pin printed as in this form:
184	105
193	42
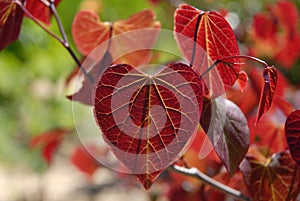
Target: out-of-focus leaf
11	17
228	132
89	32
292	134
276	178
147	120
83	160
266	97
49	142
205	37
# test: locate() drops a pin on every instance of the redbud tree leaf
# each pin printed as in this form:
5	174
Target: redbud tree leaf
147	119
203	38
89	32
292	134
267	94
84	161
49	142
276	178
11	16
227	128
40	10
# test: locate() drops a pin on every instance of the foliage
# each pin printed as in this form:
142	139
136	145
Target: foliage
154	117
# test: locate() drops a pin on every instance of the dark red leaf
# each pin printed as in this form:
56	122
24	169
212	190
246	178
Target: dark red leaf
83	160
11	16
276	178
292	134
49	142
228	132
40	10
266	97
203	38
148	119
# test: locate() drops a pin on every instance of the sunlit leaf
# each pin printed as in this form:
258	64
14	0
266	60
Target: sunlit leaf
228	132
11	16
147	119
276	178
266	97
40	10
49	142
89	32
292	133
203	38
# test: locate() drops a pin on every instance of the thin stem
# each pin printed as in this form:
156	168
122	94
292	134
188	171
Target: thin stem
195	173
66	41
53	35
195	39
223	60
63	41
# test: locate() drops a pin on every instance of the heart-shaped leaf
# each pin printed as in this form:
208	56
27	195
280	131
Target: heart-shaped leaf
147	119
276	178
267	94
292	134
203	38
39	10
89	32
227	128
11	17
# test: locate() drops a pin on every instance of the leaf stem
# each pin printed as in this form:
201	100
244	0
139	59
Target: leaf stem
195	173
223	60
64	40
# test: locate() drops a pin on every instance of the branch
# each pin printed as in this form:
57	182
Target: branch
64	40
195	173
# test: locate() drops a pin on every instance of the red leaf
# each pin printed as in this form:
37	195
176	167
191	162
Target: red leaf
286	12
292	134
276	178
148	119
264	27
49	142
203	38
268	134
266	97
242	80
83	160
228	132
40	10
89	32
11	16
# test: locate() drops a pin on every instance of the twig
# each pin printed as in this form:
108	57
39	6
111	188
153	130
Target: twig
194	172
64	40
